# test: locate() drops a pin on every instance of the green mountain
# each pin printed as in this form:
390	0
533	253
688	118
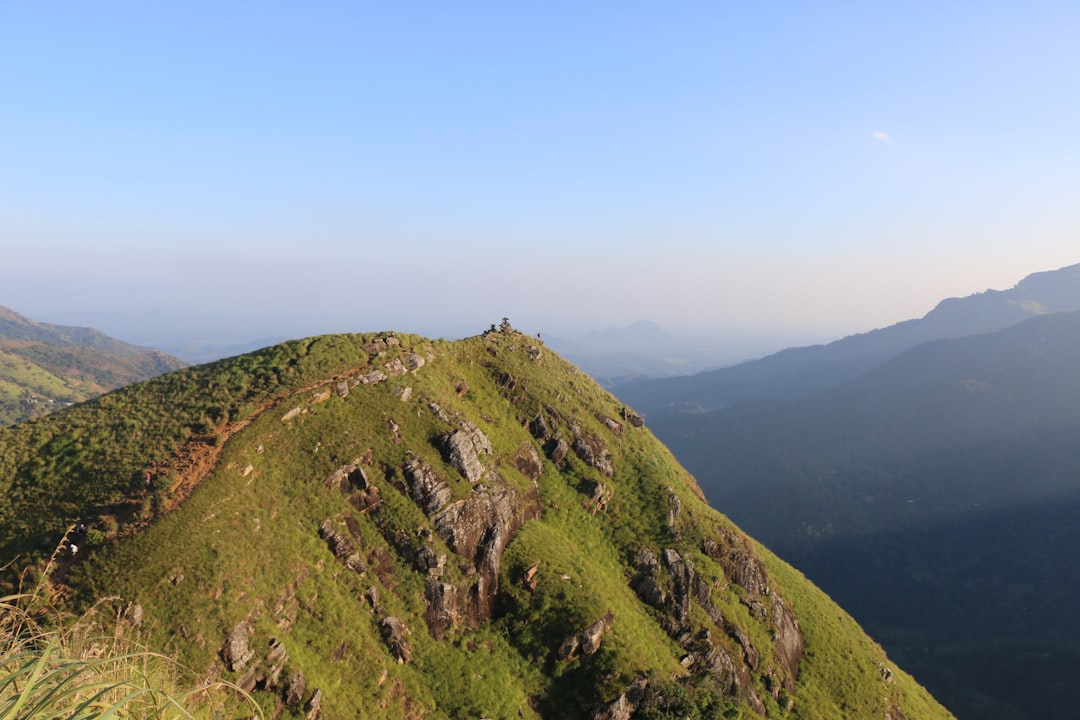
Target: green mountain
386	526
44	367
936	498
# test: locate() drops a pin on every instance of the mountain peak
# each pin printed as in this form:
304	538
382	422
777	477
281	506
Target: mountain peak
404	527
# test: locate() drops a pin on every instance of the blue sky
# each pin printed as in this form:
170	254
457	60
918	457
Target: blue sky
802	170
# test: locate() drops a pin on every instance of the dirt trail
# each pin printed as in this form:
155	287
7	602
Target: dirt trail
191	463
196	459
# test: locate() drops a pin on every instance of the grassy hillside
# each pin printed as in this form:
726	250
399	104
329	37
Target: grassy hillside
46	367
387	526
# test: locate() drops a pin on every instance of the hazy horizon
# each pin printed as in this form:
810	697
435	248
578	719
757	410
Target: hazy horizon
784	175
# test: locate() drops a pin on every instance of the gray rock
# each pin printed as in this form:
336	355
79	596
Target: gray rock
459	449
237	652
313	709
394	632
373	377
594	451
294	691
528	461
394	367
426	488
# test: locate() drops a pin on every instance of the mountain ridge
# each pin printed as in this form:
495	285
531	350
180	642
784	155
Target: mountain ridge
803	371
45	366
431	529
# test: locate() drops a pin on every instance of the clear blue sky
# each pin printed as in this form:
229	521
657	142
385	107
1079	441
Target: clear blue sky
802	168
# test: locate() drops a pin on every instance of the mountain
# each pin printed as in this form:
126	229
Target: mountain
803	371
387	526
44	366
936	498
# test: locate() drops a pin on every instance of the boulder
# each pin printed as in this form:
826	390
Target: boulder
528	461
426	488
594	451
394	632
237	652
459	448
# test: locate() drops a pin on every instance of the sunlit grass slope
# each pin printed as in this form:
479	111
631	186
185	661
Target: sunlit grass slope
243	566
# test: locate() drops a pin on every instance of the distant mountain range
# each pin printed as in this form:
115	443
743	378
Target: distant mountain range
618	355
44	366
803	371
925	475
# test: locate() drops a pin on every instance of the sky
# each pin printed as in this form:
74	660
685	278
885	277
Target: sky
801	171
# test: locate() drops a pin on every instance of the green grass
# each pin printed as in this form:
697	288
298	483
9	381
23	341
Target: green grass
93	668
244	547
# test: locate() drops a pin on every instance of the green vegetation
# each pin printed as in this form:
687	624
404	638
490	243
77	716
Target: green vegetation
333	581
90	669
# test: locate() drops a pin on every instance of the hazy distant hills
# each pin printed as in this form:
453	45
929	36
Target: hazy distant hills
798	372
617	355
933	490
45	366
386	526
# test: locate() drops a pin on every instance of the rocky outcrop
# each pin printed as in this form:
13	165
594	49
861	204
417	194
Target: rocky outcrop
394	633
632	417
672	585
426	488
587	642
528	462
599	497
443	612
611	424
347	478
237	652
462	449
622	707
594	451
342	547
478	528
559	450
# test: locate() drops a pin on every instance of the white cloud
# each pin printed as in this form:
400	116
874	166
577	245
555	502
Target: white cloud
882	136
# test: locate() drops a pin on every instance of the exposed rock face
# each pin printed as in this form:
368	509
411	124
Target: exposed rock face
789	642
528	462
313	709
673	586
611	424
348	478
599	497
539	428
462	449
594	451
427	489
459	451
237	652
343	548
394	367
394	633
559	451
294	691
373	377
478	528
443	608
622	707
587	641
